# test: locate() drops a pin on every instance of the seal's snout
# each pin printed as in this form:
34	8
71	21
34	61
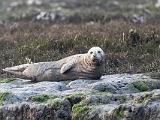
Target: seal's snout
94	57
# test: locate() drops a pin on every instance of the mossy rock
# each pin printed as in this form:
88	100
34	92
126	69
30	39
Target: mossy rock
75	98
41	98
2	96
141	86
81	95
55	103
121	99
118	113
79	111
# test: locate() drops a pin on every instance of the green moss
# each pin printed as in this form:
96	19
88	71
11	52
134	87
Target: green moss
55	103
75	98
118	112
140	85
2	96
6	80
121	99
79	111
41	98
80	95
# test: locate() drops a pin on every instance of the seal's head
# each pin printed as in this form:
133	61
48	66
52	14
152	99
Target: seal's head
96	55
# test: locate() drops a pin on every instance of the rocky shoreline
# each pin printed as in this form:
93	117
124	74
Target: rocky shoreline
113	97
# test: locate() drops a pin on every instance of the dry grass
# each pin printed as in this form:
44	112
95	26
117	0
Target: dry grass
46	42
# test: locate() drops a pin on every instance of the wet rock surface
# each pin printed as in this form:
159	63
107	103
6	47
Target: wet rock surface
120	96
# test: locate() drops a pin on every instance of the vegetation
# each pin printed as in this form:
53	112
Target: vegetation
126	50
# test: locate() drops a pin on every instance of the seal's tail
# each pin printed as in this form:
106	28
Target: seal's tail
17	70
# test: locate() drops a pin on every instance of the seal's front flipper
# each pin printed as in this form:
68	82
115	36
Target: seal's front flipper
66	67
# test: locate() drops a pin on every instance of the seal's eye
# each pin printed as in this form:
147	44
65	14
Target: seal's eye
99	51
91	52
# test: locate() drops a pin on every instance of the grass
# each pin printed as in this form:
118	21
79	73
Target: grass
48	42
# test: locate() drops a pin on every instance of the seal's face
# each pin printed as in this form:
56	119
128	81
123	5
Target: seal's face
96	55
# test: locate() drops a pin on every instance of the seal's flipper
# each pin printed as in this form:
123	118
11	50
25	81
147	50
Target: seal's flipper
66	67
17	70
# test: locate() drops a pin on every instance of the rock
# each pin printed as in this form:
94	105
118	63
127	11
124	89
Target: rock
51	16
28	111
81	83
21	89
34	2
113	97
138	19
47	16
16	4
157	4
102	87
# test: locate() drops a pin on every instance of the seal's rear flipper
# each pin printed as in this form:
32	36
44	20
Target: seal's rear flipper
17	70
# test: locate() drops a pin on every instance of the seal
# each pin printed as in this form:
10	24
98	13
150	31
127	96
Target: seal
80	66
